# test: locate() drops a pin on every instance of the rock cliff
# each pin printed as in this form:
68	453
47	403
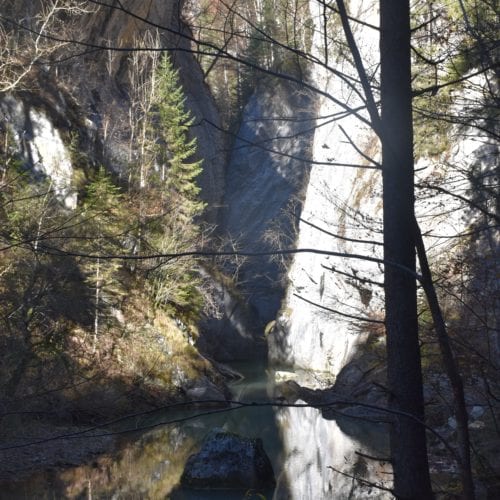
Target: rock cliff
89	95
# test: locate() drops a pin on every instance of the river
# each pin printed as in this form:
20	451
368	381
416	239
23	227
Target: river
307	452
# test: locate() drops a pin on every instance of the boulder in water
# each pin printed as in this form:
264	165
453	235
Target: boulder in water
205	390
229	461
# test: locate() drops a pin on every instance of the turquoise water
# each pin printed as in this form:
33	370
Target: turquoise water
306	451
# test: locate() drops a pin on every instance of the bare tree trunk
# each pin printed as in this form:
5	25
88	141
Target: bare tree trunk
96	305
450	367
408	440
17	374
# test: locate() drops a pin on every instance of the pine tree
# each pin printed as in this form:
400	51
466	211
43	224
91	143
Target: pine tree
175	229
178	170
103	222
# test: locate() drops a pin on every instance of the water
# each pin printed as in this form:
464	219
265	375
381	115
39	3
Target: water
313	457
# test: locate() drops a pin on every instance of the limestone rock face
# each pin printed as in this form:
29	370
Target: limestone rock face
229	461
40	145
266	173
321	324
333	301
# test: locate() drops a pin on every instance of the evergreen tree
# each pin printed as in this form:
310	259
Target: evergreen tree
178	170
174	228
103	223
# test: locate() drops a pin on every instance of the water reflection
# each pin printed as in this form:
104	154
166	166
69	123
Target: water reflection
149	467
317	455
302	445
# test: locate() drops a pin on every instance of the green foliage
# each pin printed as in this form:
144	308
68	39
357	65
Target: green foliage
258	32
103	202
170	217
79	161
39	296
479	19
431	133
447	54
104	221
174	122
50	303
282	30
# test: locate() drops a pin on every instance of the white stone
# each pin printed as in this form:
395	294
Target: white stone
343	201
313	447
347	202
50	156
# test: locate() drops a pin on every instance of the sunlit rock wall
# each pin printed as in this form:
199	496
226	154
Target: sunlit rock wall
458	211
330	297
319	326
40	145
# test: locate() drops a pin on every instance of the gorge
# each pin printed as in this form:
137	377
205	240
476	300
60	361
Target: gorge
290	276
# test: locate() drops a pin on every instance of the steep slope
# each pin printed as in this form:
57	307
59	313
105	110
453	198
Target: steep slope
95	93
66	110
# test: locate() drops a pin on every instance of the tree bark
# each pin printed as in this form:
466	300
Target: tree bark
451	369
408	440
